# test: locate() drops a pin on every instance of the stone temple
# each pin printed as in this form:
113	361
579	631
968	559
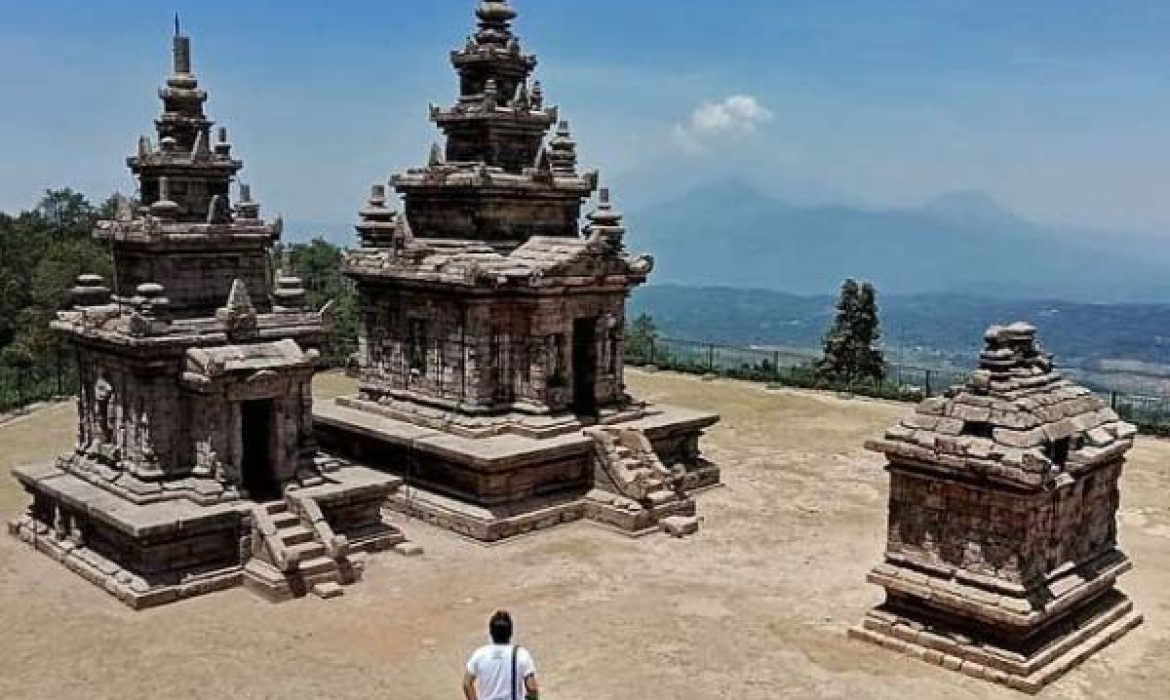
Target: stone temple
196	467
1002	554
491	348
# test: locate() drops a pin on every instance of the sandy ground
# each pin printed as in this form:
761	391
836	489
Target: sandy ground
755	606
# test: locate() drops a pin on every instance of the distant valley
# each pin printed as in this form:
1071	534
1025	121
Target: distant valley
1129	340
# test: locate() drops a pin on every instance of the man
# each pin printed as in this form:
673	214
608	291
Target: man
500	671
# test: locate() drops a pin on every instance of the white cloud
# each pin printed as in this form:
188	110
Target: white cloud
735	116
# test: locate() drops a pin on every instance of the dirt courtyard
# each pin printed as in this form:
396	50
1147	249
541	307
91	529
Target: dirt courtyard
755	606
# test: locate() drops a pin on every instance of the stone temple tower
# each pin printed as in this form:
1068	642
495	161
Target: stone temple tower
491	349
1002	554
184	185
195	466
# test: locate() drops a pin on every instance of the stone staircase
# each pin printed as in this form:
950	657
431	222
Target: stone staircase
648	494
295	552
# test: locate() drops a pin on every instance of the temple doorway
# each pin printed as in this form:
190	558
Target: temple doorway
259	475
585	367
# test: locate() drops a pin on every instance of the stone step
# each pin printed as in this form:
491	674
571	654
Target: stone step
298	534
327	590
679	525
265	580
306	550
264	572
327	577
316	565
285	519
409	549
276	507
658	498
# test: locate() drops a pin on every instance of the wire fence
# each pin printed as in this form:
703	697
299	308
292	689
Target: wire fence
439	367
45	381
902	382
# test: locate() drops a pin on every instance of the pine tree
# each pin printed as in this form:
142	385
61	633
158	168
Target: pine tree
834	364
849	352
870	361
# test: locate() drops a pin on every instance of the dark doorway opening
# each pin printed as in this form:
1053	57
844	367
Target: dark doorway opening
585	367
256	434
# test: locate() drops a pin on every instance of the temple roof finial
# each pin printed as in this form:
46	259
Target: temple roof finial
563	151
495	17
181	65
605	224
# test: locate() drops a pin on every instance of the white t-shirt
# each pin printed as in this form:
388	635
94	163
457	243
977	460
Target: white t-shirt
492	668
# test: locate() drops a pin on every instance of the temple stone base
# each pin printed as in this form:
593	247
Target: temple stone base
520	477
602	508
155	553
1044	660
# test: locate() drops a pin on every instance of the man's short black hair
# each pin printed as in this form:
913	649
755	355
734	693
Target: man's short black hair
500	628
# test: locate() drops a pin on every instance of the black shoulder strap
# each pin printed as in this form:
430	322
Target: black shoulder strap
515	652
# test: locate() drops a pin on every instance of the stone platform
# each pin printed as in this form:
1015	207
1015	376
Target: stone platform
498	478
150	554
1052	655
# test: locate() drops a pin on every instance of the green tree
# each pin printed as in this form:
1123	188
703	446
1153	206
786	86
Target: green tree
850	352
641	335
870	360
318	264
42	252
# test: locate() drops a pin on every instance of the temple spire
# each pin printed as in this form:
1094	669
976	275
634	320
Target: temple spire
563	151
495	22
181	52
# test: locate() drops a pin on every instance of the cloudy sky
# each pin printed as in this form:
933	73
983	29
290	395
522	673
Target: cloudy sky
1059	109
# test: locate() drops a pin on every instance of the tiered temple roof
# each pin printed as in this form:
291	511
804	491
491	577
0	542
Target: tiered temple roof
1017	421
498	206
496	181
189	266
185	232
541	261
500	118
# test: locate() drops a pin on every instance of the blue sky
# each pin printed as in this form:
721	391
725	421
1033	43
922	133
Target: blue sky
1058	109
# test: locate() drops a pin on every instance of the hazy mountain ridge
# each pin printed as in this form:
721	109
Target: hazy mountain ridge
729	234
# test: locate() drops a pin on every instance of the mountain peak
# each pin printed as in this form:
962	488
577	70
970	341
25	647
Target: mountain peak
970	206
733	190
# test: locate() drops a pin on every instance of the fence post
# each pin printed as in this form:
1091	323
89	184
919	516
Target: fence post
1113	400
653	343
929	392
776	365
711	357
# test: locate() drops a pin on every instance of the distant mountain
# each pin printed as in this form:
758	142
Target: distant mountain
729	234
971	208
922	326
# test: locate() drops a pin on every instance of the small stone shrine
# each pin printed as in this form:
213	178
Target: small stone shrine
1002	553
491	350
195	467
